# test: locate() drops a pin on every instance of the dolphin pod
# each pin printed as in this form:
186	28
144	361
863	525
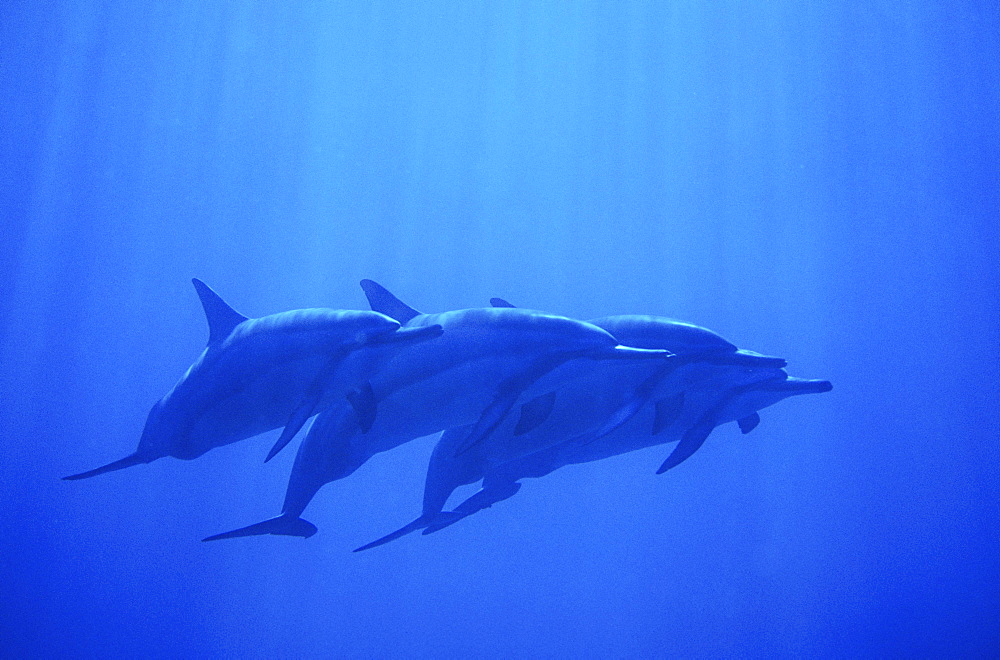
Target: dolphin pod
709	383
474	374
514	393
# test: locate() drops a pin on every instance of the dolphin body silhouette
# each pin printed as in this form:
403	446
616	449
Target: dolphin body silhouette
486	360
260	374
741	403
707	365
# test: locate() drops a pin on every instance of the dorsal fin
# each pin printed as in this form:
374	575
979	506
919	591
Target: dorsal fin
383	302
221	317
500	302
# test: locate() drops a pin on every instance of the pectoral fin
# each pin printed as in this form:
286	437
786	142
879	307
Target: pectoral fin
535	412
506	397
307	407
490	419
363	402
667	412
294	425
689	444
749	423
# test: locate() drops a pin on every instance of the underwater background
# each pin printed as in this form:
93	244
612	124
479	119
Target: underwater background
817	181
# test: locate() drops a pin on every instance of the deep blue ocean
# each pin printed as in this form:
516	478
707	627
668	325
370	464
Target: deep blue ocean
816	181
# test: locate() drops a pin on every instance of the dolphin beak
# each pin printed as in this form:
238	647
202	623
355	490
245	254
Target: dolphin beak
408	334
630	353
794	385
748	359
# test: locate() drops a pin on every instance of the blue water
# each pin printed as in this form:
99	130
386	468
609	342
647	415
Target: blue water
814	181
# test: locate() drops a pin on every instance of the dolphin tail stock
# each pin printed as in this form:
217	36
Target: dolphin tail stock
641	395
283	525
505	398
482	499
128	461
490	418
295	423
412	526
626	412
307	407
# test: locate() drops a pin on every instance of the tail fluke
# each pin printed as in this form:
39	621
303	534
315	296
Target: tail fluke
419	523
444	519
280	526
483	499
128	461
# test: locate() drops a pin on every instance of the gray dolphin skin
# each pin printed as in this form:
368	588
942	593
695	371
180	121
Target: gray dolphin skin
610	409
256	375
486	361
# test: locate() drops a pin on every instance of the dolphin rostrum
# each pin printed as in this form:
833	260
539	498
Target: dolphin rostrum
260	374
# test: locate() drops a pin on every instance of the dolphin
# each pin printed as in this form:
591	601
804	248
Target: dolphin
260	374
708	367
486	360
740	404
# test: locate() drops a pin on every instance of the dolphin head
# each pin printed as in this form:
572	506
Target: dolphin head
746	378
554	330
761	389
688	341
745	358
356	328
352	329
660	332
